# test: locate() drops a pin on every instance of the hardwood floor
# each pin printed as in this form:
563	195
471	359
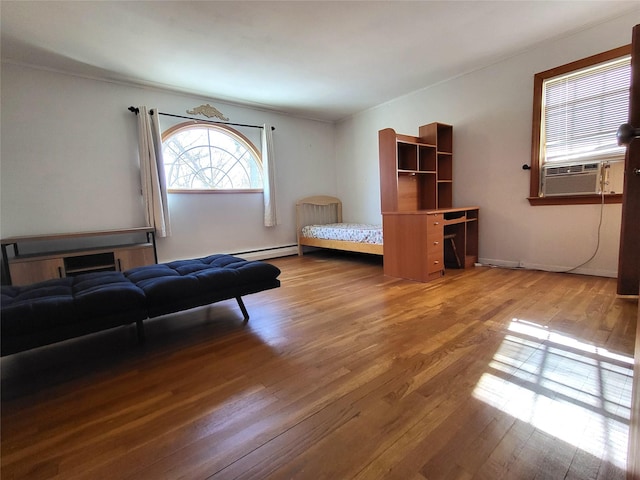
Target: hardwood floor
341	373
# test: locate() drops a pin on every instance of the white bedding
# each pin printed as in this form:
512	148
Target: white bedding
351	232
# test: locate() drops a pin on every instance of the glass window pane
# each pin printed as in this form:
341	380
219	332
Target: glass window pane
210	157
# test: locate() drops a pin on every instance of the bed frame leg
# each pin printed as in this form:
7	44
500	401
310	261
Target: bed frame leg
140	331
243	309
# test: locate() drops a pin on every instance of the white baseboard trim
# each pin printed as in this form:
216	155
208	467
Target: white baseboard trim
266	253
490	262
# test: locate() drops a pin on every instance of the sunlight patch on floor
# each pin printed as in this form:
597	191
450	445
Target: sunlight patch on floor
575	391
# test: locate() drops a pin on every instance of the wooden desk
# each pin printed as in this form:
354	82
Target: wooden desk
414	246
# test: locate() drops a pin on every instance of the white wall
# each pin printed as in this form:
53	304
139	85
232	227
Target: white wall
70	163
491	112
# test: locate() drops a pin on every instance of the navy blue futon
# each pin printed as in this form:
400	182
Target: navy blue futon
56	310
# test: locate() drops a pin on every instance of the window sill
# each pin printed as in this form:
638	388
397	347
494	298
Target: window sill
246	190
575	199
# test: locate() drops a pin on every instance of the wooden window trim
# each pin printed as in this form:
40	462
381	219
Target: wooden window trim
538	79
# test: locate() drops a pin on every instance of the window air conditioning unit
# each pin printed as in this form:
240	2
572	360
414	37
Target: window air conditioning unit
576	179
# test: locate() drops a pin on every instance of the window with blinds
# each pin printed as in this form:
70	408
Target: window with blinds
581	112
577	109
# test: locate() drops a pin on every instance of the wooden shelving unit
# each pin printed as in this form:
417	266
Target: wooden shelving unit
44	264
422	230
416	173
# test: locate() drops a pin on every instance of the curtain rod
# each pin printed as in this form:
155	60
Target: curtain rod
136	111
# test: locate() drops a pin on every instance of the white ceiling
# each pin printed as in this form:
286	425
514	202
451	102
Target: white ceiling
318	59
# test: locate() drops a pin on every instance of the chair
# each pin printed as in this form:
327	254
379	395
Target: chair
451	237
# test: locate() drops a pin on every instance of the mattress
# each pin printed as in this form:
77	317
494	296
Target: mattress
350	232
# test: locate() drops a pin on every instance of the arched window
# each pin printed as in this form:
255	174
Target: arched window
207	157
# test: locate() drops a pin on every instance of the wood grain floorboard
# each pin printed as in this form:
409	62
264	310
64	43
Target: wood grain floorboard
342	373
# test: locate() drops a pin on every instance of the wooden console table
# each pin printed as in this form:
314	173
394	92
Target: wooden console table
46	264
418	244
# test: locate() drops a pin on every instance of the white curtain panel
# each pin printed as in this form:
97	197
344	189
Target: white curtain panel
269	177
154	190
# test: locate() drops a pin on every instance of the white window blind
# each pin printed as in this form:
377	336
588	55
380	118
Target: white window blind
582	112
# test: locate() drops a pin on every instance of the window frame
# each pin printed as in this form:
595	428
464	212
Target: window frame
227	130
535	167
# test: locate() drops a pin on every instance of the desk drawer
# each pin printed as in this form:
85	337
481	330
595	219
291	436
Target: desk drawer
435	223
435	247
435	263
434	240
434	244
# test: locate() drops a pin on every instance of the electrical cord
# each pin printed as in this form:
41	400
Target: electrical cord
577	266
597	243
604	181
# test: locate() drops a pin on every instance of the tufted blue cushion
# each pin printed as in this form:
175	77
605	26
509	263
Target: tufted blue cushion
175	286
41	305
62	308
55	310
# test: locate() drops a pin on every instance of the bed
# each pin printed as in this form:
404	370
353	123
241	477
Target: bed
319	224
